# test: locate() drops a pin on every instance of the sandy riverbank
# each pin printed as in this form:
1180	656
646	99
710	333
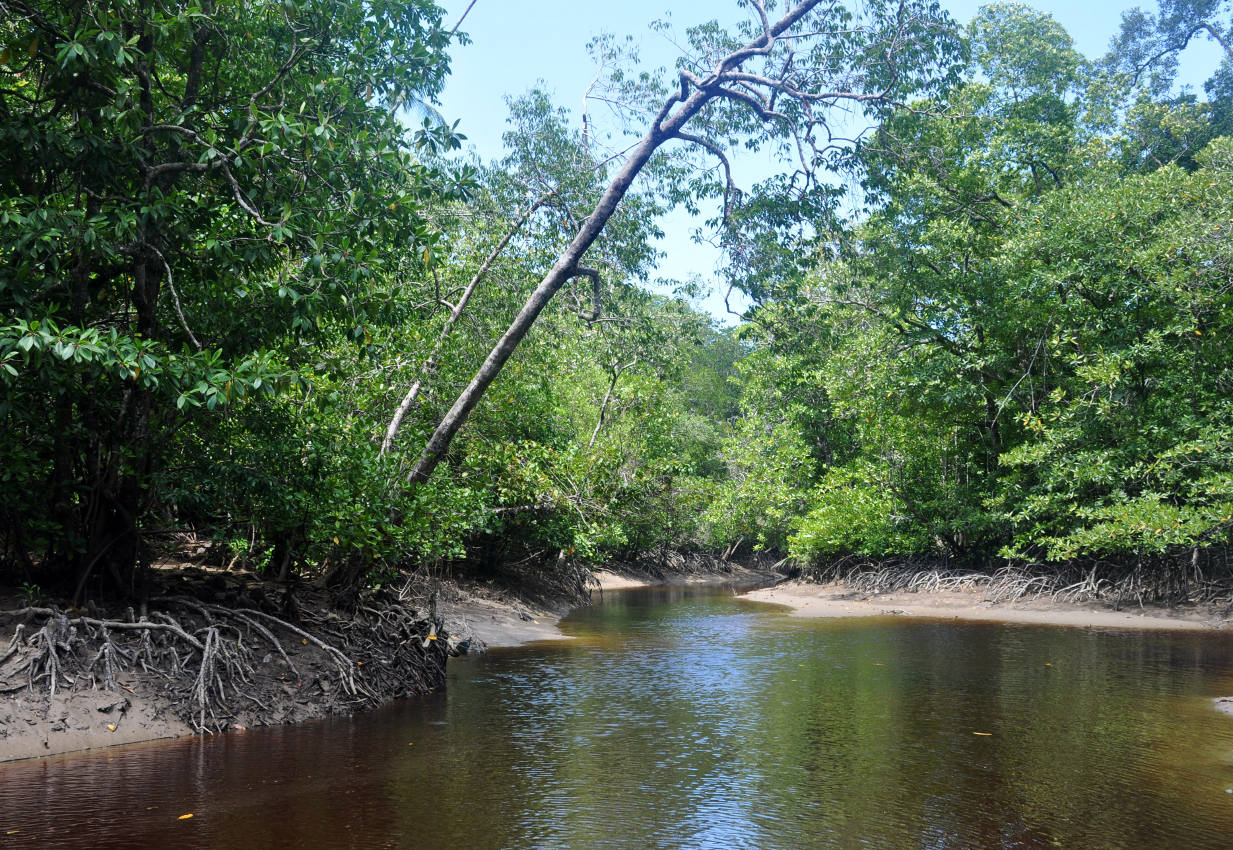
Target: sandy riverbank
837	600
481	621
492	622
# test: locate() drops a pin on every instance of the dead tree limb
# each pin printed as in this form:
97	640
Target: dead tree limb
617	369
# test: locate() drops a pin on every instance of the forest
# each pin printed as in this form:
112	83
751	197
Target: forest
253	291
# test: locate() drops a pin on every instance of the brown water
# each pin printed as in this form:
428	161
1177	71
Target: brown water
684	718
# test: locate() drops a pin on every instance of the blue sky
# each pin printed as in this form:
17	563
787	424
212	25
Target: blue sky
517	43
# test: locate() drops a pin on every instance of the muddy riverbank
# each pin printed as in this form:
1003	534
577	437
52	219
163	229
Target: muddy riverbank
216	652
837	599
317	662
300	677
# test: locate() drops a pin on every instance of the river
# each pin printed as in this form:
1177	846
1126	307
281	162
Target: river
685	718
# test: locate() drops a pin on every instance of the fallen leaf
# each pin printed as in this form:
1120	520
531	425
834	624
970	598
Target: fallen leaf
12	832
304	641
185	817
111	727
411	743
983	734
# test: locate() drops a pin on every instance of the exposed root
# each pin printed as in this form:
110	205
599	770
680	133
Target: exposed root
14	644
1140	581
346	667
44	661
211	612
106	658
215	663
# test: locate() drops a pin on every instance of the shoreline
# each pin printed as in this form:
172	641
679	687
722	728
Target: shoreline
87	720
834	600
32	725
498	623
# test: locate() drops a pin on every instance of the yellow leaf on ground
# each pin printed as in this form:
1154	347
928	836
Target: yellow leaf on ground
185	817
111	727
983	734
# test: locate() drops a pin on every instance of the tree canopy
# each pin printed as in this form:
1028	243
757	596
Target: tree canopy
251	292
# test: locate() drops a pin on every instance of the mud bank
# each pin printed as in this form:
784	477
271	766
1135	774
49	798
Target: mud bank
295	679
217	652
481	619
839	600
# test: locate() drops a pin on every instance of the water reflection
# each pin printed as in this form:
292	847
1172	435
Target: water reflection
684	719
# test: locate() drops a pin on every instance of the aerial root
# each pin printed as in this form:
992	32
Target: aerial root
221	662
208	657
1160	580
106	658
14	644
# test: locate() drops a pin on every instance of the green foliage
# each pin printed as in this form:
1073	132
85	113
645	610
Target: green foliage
190	197
1020	350
1129	449
218	278
854	513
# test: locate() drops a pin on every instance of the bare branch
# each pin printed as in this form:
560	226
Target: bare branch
760	8
175	297
597	305
462	18
430	364
586	96
238	194
730	189
760	108
617	369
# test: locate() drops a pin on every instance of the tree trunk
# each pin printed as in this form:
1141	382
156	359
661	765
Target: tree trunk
726	81
430	364
617	369
566	268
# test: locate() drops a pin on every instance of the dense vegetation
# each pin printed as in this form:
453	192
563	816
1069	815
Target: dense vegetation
235	239
1021	349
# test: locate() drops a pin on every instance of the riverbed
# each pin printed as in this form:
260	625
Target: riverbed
684	717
